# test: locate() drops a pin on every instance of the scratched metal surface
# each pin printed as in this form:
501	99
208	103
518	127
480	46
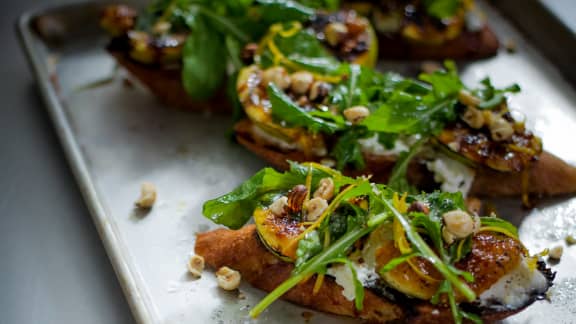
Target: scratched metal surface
116	137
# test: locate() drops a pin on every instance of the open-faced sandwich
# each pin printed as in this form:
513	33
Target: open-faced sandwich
350	247
184	51
428	29
428	132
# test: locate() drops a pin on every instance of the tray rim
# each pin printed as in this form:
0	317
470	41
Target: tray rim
141	307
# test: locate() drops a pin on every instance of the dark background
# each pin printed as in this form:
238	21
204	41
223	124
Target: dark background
53	267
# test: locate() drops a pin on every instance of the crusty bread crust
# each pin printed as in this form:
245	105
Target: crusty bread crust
243	251
549	176
166	85
468	45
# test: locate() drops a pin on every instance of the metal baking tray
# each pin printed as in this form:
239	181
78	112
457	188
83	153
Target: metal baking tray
116	136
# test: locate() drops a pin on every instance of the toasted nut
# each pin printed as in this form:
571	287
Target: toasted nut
301	81
501	130
356	114
278	76
296	198
325	189
556	252
161	27
473	117
458	223
147	195
356	25
228	279
196	265
319	90
315	207
278	207
468	99
419	207
447	236
335	33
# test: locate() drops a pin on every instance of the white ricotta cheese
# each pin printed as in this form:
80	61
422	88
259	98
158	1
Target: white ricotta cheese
344	277
373	146
514	289
453	175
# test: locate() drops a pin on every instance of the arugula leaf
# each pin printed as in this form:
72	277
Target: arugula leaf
442	9
331	5
274	11
235	208
308	247
494	222
446	82
397	261
202	70
441	202
398	178
492	97
347	150
301	48
284	109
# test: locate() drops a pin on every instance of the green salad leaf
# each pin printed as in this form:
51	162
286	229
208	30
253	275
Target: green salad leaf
491	96
285	110
202	69
347	150
442	9
275	11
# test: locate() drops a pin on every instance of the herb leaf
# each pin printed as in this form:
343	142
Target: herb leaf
442	9
235	208
492	97
284	109
273	11
348	151
203	71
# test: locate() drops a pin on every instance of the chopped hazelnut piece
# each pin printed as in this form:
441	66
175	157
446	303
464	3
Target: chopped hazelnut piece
196	265
556	252
147	196
228	279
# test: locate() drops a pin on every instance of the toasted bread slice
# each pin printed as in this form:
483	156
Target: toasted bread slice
468	45
242	250
166	85
548	176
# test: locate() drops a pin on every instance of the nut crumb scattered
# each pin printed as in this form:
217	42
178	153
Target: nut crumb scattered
228	279
147	196
241	295
196	265
556	252
570	239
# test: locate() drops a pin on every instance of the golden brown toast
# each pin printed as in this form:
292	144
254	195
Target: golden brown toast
242	250
166	85
468	45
